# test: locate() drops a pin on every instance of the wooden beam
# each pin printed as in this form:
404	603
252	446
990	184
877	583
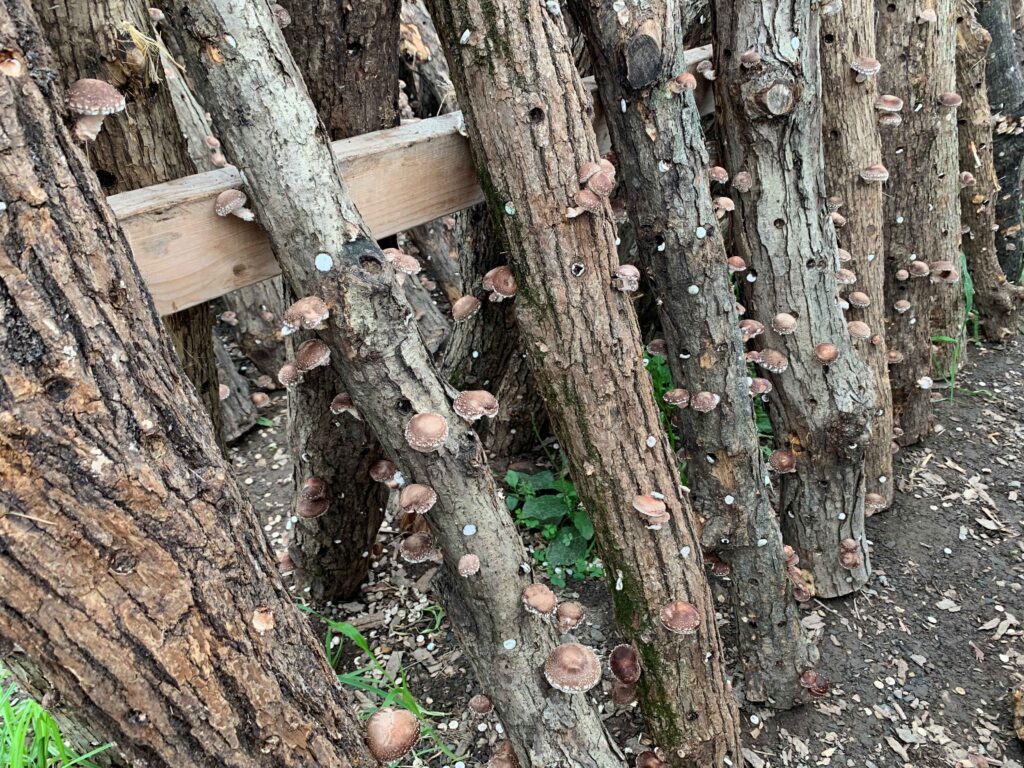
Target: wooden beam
399	178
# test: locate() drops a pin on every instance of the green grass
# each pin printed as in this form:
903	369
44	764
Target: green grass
385	688
30	737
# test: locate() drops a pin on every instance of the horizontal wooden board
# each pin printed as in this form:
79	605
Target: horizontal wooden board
399	178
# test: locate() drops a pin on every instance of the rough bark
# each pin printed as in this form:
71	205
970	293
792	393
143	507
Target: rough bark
851	143
528	117
996	301
135	571
770	122
258	311
238	415
431	84
922	217
668	197
1006	99
134	149
348	56
383	364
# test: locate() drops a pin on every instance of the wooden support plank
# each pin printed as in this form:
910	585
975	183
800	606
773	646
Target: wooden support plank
399	178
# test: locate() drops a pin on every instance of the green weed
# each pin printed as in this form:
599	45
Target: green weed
31	738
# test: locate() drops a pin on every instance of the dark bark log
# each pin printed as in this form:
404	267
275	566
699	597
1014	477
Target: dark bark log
852	143
135	572
348	56
438	252
528	116
431	84
668	197
922	217
137	148
770	120
1006	99
238	414
258	311
996	301
383	364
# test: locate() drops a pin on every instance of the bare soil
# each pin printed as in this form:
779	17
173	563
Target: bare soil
920	662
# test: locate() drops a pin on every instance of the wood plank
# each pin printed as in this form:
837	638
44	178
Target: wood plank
399	178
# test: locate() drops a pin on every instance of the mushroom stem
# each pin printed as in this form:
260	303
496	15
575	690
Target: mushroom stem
88	127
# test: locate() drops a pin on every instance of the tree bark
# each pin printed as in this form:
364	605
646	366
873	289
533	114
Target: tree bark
996	301
922	217
851	143
668	197
134	149
259	313
770	118
238	415
1006	100
111	473
348	56
383	363
528	117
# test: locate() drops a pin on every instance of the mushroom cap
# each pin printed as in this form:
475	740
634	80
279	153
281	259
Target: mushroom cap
426	432
469	565
750	328
889	119
724	203
289	374
383	471
391	733
867	66
311	354
474	404
886	102
874	501
850	545
501	281
465	307
850	559
601	183
481	704
343	403
310	508
844	255
417	547
625	663
651	509
750	57
736	264
407	264
315	487
950	99
718	174
572	668
782	461
587	170
308	313
858	299
569	614
846	276
742	181
705	402
759	386
229	201
895	356
628	271
919	268
875	172
539	599
678	397
588	201
648	759
859	330
686	80
773	360
784	323
260	399
944	271
680	617
92	97
417	499
826	352
902	274
658	347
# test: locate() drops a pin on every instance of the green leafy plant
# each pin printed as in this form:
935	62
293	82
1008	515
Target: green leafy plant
373	678
661	380
31	738
972	323
548	504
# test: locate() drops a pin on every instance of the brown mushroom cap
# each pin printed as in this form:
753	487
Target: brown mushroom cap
572	668
417	499
874	502
850	545
569	615
539	599
648	759
343	403
850	560
426	432
859	330
501	282
784	323
718	174
742	181
658	347
289	375
736	264
310	508
678	397
705	402
92	97
418	548
311	354
465	307
315	487
391	733
888	103
858	299
469	565
773	360
588	201
846	276
652	510
383	471
875	172
759	386
601	183
919	268
474	404
229	201
260	399
680	617
750	328
782	461
950	99
481	704
625	663
308	313
407	264
826	352
866	66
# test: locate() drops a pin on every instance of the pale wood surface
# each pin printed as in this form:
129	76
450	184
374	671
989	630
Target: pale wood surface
399	178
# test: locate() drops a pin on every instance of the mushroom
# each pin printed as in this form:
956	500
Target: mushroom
658	347
623	694
464	308
705	402
289	375
865	67
281	15
760	386
501	283
750	328
308	314
539	600
343	403
680	617
784	324
260	399
919	268
92	100
742	181
859	330
653	511
568	615
418	548
384	471
626	278
873	502
718	174
469	565
426	432
481	704
750	58
888	103
736	264
773	360
391	733
875	172
678	397
572	668
312	354
949	99
859	299
826	352
416	499
586	202
782	461
648	759
625	663
845	276
474	404
684	81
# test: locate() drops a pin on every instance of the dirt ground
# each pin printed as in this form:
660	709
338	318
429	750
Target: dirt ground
920	662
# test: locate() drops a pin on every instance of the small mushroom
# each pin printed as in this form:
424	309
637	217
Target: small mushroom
418	548
759	386
391	733
464	308
902	306
784	323
231	202
259	399
865	67
742	181
539	600
469	565
625	663
782	461
308	313
426	432
586	202
626	278
92	100
343	403
736	264
678	397
474	404
384	471
773	360
289	375
649	759
859	299
481	704
312	354
680	617
845	276
750	328
653	511
718	174
572	668
416	499
501	283
873	502
859	330
826	352
705	402
876	172
919	268
949	99
568	615
623	694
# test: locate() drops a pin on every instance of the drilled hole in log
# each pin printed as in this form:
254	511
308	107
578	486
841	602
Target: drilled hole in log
779	223
107	179
371	264
829	39
536	115
404	406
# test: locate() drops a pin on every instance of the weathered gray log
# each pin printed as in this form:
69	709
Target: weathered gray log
238	414
325	250
528	119
770	118
135	572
